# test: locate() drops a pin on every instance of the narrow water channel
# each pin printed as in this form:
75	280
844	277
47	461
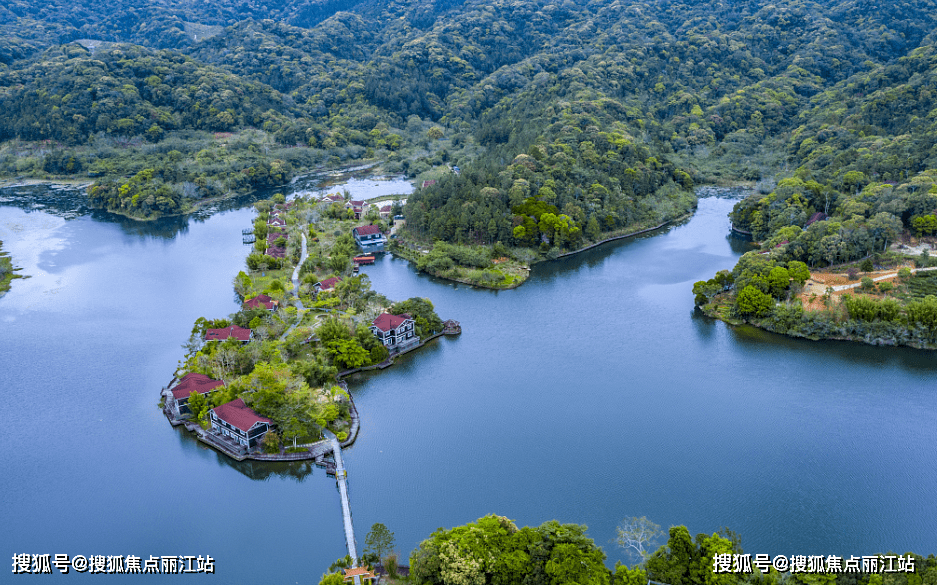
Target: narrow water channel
591	393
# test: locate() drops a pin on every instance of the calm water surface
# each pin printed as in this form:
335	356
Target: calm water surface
591	393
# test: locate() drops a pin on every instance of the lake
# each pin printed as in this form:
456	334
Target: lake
591	393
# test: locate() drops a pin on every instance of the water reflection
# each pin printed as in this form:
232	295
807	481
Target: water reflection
740	243
255	470
71	202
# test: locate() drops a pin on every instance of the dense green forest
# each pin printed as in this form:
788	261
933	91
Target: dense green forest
493	550
570	121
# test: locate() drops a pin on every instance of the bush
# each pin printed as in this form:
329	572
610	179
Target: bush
271	442
867	265
751	301
867	284
390	563
851	273
379	353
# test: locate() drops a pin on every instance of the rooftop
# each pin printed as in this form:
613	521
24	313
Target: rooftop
237	414
329	282
261	300
194	382
386	321
366	230
239	333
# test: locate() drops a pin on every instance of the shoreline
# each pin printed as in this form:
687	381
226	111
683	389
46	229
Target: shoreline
564	255
61	183
630	235
314	451
192	206
846	339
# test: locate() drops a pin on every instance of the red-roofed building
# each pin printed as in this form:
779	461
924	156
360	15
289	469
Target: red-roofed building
429	183
327	284
276	252
272	237
237	422
188	384
369	238
262	301
239	333
395	331
385	212
357	207
335	198
276	222
367	230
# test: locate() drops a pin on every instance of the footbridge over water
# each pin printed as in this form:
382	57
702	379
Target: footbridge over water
341	477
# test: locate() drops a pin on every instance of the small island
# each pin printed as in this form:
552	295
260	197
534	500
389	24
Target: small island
267	381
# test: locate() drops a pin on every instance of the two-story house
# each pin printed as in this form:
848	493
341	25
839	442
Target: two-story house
239	423
396	332
369	238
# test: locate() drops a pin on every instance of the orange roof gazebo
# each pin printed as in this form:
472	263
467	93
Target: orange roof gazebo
362	572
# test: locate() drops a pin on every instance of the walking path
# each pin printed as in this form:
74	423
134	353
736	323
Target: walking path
299	302
302	259
882	277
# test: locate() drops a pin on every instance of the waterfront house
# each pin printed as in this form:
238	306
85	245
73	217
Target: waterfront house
335	198
264	301
239	423
276	222
240	333
385	212
186	386
395	331
327	284
429	183
369	238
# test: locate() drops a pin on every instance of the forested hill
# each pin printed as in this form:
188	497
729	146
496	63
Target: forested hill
605	113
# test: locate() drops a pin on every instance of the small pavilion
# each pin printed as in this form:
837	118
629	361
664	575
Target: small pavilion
362	572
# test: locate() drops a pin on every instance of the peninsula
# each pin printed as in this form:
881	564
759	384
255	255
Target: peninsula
266	382
851	266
